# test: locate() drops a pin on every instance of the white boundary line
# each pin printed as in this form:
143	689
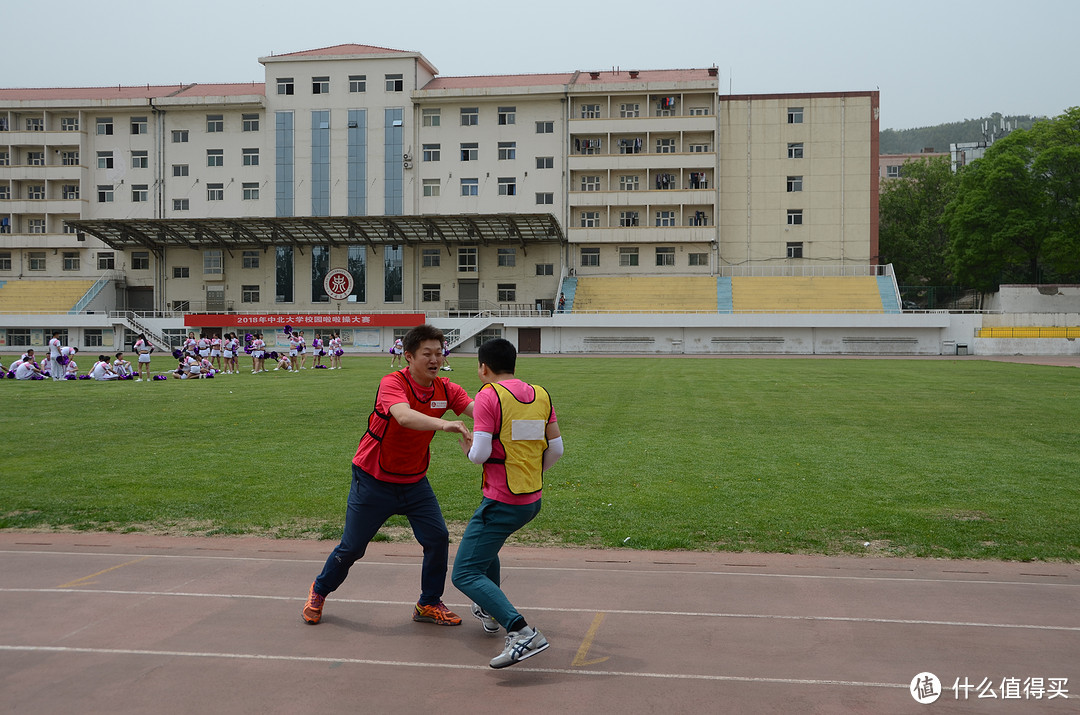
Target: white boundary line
625	612
578	569
446	666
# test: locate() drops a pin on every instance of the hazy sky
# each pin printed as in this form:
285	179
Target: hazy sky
934	61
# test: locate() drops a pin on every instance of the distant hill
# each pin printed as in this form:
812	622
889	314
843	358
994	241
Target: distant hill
913	141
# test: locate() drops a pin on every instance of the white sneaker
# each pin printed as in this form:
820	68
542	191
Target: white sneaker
520	645
138	379
491	626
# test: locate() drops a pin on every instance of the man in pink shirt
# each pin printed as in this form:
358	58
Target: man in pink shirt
516	437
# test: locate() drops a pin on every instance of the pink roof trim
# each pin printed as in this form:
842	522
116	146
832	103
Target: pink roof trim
140	92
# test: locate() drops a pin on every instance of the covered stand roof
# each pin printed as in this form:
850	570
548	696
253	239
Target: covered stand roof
300	231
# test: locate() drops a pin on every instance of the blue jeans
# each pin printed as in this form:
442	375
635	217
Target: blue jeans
476	565
371	503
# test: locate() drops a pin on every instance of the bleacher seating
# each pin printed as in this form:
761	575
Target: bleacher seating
646	293
1070	332
796	294
29	296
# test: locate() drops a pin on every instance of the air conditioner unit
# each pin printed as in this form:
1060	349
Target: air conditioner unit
407	156
407	164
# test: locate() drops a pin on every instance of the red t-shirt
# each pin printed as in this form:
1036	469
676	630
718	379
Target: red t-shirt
437	399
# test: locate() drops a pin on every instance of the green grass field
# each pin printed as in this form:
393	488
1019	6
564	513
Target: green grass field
963	459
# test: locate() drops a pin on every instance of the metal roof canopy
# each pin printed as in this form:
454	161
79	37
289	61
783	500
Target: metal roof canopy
300	231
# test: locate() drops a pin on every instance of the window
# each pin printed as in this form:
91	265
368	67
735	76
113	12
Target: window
35	158
545	269
545	162
35	192
181	306
630	146
70	191
69	158
470	116
628	255
249	122
106	261
794	115
5	264
432	152
665	146
180	170
545	199
698	148
507	115
215	157
104	160
139	125
140	193
794	250
470	152
590	257
431	258
35	225
140	160
68	228
35	124
665	218
628	183
5	193
665	255
36	260
507	257
215	192
431	117
892	172
794	183
284	85
212	263
181	272
590	219
105	193
215	123
249	294
250	157
251	190
590	111
320	85
507	186
180	136
181	205
507	150
627	111
545	127
5	158
699	259
432	187
698	111
140	260
794	217
795	150
468	259
628	219
590	183
104	126
700	218
507	292
395	83
357	83
431	293
69	124
250	259
470	187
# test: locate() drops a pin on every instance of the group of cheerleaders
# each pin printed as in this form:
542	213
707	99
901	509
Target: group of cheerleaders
209	355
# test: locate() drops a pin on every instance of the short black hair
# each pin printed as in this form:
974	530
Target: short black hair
499	355
421	333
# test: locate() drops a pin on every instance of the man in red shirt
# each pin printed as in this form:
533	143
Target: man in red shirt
390	474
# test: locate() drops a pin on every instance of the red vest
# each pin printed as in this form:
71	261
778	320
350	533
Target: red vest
403	454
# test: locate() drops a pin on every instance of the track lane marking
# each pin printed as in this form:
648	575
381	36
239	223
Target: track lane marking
85	580
583	649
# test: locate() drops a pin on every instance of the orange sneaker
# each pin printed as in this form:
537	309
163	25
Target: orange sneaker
438	614
313	607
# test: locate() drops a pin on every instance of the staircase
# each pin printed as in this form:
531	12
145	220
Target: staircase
132	323
469	328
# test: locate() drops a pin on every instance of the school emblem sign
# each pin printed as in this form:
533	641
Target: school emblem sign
338	284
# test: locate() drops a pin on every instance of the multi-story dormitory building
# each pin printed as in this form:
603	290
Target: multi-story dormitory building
649	172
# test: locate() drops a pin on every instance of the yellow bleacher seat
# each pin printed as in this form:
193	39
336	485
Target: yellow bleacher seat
646	293
28	296
797	294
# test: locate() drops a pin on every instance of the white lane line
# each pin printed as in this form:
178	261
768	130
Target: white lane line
551	609
578	569
445	666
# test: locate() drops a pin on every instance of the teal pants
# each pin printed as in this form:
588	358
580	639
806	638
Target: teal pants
476	565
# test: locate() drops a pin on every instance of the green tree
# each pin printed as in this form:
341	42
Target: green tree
911	233
1015	217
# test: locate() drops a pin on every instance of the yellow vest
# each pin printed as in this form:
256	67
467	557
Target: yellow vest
523	436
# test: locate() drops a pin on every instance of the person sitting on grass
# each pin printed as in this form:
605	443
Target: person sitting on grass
102	370
122	367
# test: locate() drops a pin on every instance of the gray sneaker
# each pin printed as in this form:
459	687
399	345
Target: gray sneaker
520	645
491	626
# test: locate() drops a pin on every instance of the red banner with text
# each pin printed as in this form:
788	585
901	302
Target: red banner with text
280	320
